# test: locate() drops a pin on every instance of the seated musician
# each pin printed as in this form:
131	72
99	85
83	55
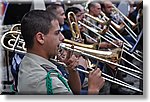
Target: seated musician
37	75
58	10
94	9
107	8
67	32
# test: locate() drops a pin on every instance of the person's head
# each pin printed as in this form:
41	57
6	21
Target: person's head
58	10
76	11
107	7
81	14
41	33
94	8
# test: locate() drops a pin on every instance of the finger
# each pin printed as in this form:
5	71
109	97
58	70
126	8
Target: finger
99	74
69	53
95	71
73	65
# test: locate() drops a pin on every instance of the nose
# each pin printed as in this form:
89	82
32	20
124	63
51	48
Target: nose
64	17
61	38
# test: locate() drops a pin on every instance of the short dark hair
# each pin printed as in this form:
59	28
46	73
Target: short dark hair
53	7
75	10
33	22
92	4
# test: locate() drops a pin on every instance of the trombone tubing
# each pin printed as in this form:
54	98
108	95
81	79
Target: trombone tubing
15	44
98	58
96	32
114	80
133	24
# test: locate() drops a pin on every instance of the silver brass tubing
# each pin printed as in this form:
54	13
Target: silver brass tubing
131	34
109	37
129	21
138	77
114	80
129	30
12	48
133	56
121	36
138	55
137	51
92	24
90	37
100	59
131	64
96	32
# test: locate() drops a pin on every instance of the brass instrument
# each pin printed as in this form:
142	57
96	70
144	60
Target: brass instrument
97	33
74	26
128	29
108	55
126	18
95	56
105	76
118	27
92	46
19	46
109	32
12	41
16	27
89	46
104	23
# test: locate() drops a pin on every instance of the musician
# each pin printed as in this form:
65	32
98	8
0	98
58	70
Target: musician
94	10
65	30
107	8
58	10
37	75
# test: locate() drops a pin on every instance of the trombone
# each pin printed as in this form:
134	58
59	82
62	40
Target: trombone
96	32
74	26
92	46
105	56
107	31
12	41
8	36
128	29
106	77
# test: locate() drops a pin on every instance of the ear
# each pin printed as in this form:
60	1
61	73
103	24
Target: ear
40	38
92	9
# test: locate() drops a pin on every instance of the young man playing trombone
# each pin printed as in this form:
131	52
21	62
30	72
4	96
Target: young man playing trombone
37	75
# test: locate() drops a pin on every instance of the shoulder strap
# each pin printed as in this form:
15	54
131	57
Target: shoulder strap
49	79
